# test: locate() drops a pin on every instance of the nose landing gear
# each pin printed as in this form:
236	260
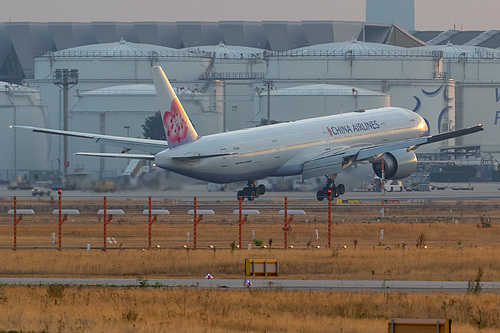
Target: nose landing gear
330	190
251	191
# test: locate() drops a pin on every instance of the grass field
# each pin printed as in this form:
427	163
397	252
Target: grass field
77	309
451	246
378	264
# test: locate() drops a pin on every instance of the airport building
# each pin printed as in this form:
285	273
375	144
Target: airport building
399	12
22	151
231	75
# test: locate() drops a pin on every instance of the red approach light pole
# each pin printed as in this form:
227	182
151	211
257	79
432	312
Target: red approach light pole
383	187
61	220
329	218
106	221
151	221
196	220
16	221
242	220
287	222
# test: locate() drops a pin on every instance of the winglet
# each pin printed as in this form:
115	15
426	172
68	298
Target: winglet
178	127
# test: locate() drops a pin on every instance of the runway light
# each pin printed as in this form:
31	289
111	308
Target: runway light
209	276
185	246
11	126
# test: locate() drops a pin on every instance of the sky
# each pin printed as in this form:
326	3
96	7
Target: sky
429	14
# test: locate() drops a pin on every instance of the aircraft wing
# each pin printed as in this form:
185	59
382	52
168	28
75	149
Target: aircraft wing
337	160
413	144
146	145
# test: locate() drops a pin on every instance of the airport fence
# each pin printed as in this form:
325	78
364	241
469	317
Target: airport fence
224	229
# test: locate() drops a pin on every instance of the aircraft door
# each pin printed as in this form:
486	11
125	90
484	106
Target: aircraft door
326	138
224	157
276	149
383	126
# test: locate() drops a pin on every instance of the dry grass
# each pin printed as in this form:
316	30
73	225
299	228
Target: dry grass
63	309
455	252
378	264
444	226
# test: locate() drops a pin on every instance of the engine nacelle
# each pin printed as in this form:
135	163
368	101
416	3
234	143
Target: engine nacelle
398	164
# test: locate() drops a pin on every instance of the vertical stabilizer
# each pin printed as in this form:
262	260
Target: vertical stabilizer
178	127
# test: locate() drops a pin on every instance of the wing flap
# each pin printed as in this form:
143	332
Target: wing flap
322	166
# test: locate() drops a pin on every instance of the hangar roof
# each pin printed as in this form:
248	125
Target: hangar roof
5	86
130	89
117	49
223	51
455	51
489	38
134	90
325	90
21	42
353	47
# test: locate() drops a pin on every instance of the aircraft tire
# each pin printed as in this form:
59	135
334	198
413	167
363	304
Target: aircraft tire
320	195
240	195
341	188
262	189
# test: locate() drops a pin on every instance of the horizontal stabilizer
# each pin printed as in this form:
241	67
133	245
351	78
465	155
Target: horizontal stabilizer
133	156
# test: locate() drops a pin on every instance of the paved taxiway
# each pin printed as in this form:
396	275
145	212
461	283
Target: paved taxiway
271	284
482	191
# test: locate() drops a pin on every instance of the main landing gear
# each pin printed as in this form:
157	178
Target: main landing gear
330	189
251	191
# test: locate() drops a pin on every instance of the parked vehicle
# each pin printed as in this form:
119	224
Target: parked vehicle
40	191
104	186
394	186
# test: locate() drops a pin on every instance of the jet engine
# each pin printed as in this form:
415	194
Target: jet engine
398	164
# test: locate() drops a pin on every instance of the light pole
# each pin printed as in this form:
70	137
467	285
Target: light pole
65	79
269	85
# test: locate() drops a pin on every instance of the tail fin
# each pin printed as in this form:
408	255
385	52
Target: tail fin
178	127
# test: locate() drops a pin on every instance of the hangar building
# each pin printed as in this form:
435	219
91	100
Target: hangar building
226	72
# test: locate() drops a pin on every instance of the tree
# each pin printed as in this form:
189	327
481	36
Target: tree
263	122
153	127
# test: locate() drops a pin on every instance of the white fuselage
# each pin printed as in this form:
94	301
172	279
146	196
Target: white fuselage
282	149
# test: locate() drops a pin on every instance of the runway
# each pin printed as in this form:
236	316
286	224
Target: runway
482	191
419	287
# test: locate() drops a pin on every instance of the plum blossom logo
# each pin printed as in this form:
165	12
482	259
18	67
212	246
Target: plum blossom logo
174	123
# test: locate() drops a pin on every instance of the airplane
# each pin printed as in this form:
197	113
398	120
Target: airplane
322	146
